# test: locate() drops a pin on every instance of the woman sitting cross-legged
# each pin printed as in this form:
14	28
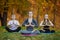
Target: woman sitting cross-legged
46	23
30	23
13	25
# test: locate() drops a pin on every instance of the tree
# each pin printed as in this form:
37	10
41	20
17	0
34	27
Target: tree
4	17
23	7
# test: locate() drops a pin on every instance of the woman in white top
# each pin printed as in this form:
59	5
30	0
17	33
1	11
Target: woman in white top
13	25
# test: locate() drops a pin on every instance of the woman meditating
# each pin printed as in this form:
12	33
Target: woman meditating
46	23
30	23
13	25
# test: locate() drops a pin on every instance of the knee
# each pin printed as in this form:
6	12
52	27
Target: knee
19	28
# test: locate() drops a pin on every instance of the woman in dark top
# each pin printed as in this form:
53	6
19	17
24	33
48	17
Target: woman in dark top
30	23
46	24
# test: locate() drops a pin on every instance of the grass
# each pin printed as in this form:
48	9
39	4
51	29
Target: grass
4	35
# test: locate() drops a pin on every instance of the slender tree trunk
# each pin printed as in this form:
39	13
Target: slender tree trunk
4	19
38	17
54	12
0	16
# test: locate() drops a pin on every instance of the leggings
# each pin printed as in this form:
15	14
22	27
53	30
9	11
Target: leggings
17	30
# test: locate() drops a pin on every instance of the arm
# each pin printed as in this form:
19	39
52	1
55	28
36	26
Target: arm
25	22
26	25
29	25
35	23
17	24
41	24
51	24
9	24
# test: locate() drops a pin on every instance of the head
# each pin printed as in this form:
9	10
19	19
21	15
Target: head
13	17
46	16
30	14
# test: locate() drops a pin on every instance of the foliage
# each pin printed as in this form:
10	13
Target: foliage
21	5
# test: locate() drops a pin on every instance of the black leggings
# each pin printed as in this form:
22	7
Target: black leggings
46	28
30	28
17	30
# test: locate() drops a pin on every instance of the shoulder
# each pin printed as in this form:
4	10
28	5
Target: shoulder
10	21
26	19
34	20
16	20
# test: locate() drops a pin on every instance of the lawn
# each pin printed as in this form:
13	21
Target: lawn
4	35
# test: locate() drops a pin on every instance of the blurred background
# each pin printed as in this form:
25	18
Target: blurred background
21	8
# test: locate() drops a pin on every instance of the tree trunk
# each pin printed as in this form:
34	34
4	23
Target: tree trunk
38	17
0	16
4	18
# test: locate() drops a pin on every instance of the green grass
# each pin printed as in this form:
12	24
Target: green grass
4	35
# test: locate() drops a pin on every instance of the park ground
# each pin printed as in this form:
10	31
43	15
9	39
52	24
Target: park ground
4	35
